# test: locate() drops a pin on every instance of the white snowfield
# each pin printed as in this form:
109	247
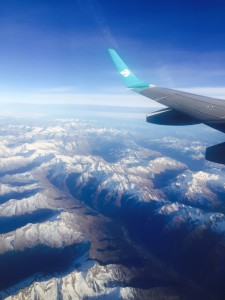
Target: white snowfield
57	234
92	280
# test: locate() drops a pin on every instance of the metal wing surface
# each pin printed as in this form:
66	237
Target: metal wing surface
184	108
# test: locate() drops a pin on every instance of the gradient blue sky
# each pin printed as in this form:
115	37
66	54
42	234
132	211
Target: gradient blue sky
55	51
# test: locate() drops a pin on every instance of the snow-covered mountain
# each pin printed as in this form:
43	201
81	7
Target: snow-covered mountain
102	200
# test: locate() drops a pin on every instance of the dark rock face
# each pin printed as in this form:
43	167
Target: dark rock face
19	265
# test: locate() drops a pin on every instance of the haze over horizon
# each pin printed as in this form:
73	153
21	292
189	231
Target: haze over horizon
55	52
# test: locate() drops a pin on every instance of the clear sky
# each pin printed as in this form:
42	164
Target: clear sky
55	51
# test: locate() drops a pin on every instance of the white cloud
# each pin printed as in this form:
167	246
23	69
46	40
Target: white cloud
65	95
62	89
106	99
215	92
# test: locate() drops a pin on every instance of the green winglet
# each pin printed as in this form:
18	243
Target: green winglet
129	78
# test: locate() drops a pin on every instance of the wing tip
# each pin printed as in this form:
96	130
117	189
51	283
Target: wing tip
130	79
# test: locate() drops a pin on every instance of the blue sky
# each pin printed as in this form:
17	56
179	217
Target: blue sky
55	51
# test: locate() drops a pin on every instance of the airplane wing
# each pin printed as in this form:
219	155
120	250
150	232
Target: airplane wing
183	108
